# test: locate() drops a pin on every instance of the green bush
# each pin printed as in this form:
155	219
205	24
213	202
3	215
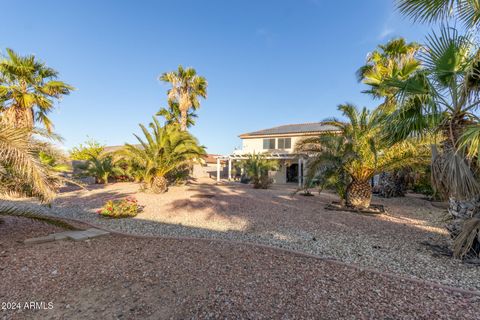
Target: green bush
123	208
91	149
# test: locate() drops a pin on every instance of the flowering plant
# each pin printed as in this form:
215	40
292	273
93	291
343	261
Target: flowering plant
124	208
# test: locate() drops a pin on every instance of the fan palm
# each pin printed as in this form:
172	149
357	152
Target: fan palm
394	60
363	153
28	89
468	11
442	98
187	87
173	115
20	167
162	150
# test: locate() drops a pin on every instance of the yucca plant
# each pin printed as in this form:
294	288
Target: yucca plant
257	167
162	150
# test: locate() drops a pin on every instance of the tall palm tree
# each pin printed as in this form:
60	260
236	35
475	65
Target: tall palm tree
397	60
164	149
442	98
187	87
394	60
173	115
364	152
28	90
20	167
468	11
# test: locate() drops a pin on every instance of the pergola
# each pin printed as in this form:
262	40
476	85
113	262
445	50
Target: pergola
277	156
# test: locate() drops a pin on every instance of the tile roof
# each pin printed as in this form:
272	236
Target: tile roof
293	128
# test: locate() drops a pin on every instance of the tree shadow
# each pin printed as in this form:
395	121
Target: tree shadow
276	217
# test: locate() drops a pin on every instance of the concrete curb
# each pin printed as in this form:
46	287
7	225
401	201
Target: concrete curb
288	251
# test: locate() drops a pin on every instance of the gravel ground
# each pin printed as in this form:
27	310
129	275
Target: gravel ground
390	242
120	277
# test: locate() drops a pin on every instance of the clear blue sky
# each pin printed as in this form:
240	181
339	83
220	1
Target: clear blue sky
267	62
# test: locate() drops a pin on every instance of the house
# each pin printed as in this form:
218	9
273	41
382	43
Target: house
278	143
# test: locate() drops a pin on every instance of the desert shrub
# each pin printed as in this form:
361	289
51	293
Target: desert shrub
123	208
101	168
85	151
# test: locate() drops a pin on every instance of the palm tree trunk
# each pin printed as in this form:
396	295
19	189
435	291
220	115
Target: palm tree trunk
159	184
18	117
359	194
183	119
461	211
392	184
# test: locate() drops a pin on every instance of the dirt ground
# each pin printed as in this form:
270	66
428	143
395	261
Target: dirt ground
121	277
392	242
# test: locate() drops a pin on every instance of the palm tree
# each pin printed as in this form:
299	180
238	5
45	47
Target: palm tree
20	168
172	115
328	156
394	60
28	90
441	98
163	150
257	167
364	154
187	86
101	167
468	11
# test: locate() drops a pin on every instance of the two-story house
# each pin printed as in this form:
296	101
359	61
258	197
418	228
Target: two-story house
279	143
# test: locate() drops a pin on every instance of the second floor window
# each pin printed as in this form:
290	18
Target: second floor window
284	143
268	143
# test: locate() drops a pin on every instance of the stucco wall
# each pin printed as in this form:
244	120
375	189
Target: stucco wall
252	145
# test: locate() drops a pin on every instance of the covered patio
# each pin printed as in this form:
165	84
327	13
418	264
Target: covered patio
285	160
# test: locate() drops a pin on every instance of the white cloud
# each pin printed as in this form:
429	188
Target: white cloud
385	33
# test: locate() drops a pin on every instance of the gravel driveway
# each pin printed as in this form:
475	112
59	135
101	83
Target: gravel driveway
389	243
120	277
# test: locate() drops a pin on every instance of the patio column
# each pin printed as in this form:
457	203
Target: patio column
218	169
300	178
229	169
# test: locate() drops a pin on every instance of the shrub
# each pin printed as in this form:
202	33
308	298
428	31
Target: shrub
123	208
90	149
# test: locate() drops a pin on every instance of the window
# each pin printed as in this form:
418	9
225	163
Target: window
284	143
268	143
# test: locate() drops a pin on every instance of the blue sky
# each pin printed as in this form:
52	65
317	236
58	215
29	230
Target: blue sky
267	62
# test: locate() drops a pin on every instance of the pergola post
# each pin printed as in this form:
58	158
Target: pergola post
218	169
300	178
229	169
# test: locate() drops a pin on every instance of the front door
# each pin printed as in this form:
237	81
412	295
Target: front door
292	172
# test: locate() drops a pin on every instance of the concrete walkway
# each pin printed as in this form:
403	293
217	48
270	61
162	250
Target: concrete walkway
78	235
